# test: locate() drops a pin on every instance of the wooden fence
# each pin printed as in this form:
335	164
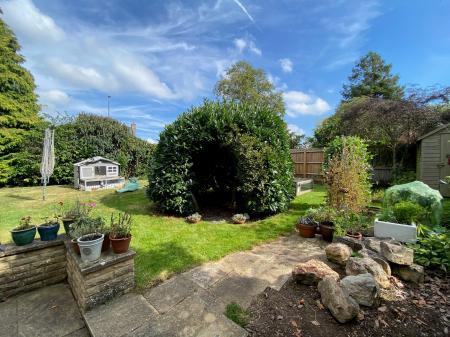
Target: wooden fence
308	162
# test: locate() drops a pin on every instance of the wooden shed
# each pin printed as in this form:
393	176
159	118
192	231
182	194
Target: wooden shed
97	173
433	161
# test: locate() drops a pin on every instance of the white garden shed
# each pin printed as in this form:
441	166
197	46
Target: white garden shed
97	173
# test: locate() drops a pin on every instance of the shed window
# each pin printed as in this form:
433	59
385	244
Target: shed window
87	172
112	170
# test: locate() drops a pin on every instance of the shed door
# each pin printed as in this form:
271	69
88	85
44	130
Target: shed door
445	163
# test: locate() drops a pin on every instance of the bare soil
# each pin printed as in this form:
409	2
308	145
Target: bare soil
407	310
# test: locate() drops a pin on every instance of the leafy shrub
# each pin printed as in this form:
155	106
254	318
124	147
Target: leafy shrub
237	314
323	214
121	228
419	193
237	151
25	223
347	174
433	248
80	138
408	212
402	176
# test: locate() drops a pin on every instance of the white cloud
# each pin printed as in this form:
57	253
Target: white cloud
54	96
286	65
300	103
152	141
241	44
295	129
29	22
237	2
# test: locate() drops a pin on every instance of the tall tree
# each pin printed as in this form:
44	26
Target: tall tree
372	77
243	83
18	103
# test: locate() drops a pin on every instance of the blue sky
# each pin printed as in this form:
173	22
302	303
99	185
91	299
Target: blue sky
158	58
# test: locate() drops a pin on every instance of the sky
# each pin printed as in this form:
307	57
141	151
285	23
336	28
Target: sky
156	59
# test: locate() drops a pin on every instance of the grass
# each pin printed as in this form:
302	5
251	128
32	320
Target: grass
164	244
237	314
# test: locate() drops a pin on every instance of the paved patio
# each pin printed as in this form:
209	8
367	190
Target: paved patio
188	304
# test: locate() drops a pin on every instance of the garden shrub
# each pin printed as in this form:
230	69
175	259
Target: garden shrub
347	174
80	138
231	153
419	193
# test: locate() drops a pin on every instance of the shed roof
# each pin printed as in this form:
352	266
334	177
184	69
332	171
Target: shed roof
94	160
434	131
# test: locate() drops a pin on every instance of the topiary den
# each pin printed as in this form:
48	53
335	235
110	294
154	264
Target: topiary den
225	155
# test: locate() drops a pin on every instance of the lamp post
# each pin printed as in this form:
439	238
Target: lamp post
108	104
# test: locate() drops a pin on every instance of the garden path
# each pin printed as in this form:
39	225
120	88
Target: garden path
193	303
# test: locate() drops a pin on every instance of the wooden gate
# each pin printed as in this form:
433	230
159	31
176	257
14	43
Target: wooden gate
308	163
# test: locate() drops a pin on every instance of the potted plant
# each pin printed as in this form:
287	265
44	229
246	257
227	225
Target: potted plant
105	230
193	218
120	233
48	231
86	225
307	225
400	221
239	219
78	210
90	246
24	233
347	223
325	216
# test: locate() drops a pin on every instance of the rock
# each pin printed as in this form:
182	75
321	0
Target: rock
397	254
373	243
362	288
341	305
312	271
378	259
338	253
413	273
356	266
354	244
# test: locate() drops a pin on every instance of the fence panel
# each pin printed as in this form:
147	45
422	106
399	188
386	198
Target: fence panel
307	162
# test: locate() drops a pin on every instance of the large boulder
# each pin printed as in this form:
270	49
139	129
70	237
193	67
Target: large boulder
341	305
378	259
362	288
397	254
312	271
413	273
356	266
354	244
338	253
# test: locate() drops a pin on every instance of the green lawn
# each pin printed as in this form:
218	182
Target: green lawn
164	244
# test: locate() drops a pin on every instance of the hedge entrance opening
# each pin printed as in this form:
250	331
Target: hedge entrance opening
223	155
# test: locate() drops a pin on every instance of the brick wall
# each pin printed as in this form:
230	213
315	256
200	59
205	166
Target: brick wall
95	284
32	266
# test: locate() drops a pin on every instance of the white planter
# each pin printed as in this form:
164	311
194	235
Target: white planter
400	232
90	250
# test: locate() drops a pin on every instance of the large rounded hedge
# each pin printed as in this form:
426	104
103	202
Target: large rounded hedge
235	154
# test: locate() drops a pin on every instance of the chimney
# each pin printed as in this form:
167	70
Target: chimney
133	128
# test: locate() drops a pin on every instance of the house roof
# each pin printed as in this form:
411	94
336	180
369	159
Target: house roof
94	160
434	131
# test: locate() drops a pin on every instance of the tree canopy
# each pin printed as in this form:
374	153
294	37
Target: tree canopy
244	84
372	77
19	110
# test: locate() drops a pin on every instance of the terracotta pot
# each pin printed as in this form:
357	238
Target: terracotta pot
121	245
327	232
306	231
354	235
75	246
106	243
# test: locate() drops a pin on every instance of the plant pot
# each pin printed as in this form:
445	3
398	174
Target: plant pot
91	246
75	246
48	232
23	237
355	235
400	232
106	243
327	232
120	245
67	223
306	231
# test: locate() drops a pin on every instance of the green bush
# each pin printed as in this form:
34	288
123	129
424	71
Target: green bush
433	248
402	176
408	212
80	138
418	193
236	152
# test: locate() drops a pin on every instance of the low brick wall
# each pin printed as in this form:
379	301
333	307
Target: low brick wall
95	284
24	268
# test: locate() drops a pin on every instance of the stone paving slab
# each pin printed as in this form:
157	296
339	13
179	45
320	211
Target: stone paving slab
49	311
208	274
120	316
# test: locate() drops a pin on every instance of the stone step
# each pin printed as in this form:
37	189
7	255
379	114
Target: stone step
123	315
